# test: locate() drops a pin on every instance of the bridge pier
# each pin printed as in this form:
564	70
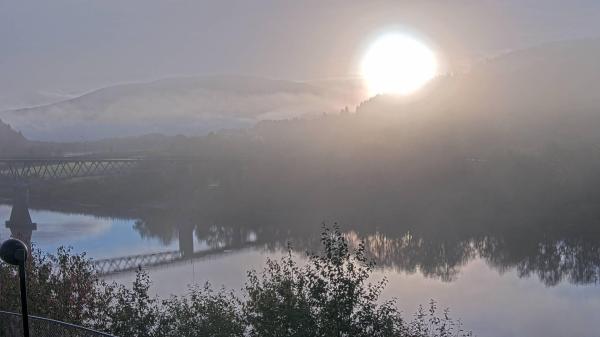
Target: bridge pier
186	240
20	224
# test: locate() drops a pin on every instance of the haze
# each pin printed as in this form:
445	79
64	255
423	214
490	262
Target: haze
50	50
453	143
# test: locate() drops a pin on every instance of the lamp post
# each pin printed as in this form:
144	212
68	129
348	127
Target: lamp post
14	252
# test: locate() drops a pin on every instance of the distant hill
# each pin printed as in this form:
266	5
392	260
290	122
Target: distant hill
542	95
524	100
18	99
514	142
11	141
188	106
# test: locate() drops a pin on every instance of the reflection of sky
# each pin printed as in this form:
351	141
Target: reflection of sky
494	304
98	237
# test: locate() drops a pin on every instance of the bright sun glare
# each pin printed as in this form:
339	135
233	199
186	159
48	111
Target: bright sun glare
397	64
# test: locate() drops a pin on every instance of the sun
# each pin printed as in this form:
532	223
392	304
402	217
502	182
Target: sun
398	64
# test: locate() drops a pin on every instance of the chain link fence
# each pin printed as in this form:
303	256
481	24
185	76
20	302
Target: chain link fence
12	326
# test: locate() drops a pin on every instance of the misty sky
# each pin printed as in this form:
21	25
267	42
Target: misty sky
71	46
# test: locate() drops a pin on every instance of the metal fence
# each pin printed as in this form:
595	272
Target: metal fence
12	326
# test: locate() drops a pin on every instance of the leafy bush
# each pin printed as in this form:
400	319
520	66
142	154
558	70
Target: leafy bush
203	313
329	295
62	286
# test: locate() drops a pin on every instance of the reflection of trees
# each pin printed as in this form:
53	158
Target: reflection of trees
439	258
572	259
166	234
553	258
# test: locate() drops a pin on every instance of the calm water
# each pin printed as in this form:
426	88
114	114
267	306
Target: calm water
531	297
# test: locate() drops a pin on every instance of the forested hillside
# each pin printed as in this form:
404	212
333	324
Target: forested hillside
11	141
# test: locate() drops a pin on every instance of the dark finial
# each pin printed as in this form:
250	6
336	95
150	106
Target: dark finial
13	252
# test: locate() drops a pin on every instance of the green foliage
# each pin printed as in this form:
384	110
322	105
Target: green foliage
329	294
62	286
131	312
203	312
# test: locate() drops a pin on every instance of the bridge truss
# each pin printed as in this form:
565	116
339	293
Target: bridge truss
128	263
43	170
132	262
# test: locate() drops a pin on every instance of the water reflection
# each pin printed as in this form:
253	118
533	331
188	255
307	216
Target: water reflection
566	254
488	273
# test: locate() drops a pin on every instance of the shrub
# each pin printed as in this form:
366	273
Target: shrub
63	287
203	312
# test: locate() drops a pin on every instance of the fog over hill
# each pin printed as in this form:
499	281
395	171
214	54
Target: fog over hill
524	100
11	100
190	106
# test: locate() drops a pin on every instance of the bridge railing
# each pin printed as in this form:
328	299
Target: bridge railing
11	325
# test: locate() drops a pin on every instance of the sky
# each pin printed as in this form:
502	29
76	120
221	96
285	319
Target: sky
73	46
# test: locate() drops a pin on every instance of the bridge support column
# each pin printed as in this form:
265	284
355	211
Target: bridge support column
186	240
20	224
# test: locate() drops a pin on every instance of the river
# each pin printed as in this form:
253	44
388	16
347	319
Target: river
491	297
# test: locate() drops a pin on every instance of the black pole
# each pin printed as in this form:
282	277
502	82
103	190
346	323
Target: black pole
22	256
14	252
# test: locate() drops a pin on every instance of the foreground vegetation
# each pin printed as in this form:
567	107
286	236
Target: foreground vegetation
330	295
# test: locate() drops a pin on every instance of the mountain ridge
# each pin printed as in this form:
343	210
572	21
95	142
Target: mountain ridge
184	105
